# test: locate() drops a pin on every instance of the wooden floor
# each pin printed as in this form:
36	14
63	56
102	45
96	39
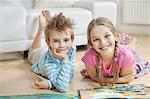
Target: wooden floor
16	77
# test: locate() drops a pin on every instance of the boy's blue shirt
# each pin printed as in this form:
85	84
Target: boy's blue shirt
58	72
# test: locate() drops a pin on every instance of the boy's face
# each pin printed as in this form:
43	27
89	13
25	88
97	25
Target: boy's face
60	41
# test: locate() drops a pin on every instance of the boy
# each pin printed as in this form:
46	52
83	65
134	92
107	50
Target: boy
56	63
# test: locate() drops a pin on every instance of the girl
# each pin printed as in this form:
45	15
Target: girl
56	63
107	61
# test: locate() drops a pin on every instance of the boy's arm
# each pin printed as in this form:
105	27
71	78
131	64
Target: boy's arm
43	18
42	83
59	78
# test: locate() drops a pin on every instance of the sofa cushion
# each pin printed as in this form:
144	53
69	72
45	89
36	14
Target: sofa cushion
12	23
53	3
12	28
77	15
26	3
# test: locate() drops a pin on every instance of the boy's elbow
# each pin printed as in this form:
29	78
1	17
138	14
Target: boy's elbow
63	90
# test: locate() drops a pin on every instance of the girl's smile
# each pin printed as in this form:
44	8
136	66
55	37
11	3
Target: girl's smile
102	40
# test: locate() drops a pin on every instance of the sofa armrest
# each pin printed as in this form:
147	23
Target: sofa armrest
12	28
100	8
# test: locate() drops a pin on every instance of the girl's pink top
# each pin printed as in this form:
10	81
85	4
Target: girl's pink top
125	59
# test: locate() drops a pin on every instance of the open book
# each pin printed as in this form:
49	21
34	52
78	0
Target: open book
124	91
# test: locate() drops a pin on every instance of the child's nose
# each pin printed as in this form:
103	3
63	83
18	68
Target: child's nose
62	44
102	41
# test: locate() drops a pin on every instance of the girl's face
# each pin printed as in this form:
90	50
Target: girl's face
60	42
102	40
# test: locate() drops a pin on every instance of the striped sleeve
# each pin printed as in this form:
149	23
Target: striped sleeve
72	57
59	77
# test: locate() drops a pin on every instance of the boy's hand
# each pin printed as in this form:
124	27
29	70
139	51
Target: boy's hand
61	56
41	83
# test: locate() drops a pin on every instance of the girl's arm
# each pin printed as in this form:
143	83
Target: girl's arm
91	72
126	75
121	80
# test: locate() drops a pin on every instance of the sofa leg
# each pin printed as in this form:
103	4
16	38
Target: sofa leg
25	54
82	47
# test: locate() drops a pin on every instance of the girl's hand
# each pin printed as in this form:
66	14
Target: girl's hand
41	83
84	73
61	56
126	79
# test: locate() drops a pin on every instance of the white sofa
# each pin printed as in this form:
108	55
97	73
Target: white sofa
19	19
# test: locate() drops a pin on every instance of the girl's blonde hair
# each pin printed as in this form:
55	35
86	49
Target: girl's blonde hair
107	23
100	21
59	23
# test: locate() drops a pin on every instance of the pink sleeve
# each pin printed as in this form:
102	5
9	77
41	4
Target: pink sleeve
89	58
126	58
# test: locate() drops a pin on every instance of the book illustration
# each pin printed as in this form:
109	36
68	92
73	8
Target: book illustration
41	96
99	92
124	91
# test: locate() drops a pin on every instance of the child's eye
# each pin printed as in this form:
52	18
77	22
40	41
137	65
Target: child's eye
55	41
66	39
106	36
95	40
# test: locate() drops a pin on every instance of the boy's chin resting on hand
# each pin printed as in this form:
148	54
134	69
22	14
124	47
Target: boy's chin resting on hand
61	56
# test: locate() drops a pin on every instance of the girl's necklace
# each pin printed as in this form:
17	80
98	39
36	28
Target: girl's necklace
99	69
107	70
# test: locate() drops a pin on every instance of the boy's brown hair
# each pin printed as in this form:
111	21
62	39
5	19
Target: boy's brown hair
59	23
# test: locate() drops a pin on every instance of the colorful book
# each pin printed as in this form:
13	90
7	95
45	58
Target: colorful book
41	96
124	91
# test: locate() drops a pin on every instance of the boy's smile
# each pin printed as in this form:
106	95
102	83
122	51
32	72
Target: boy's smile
60	42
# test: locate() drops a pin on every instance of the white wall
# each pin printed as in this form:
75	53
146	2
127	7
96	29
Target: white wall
128	27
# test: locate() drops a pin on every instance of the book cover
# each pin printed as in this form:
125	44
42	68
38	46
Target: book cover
124	91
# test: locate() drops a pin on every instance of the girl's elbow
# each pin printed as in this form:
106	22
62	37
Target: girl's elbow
95	79
124	80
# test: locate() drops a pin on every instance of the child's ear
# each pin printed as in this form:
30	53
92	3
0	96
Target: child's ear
47	41
89	44
117	37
